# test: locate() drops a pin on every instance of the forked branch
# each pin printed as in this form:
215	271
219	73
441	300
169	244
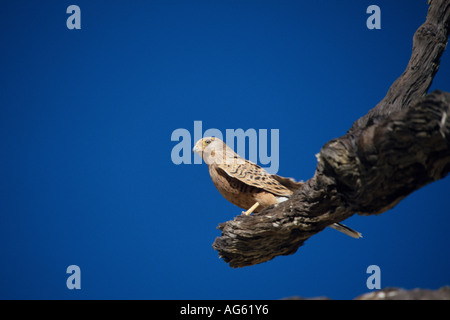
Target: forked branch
398	147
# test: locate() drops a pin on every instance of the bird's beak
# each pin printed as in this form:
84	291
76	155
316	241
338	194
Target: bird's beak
196	149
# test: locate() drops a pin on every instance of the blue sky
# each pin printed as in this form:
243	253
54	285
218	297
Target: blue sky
86	117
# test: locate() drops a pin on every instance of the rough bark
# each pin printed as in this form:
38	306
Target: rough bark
398	147
429	43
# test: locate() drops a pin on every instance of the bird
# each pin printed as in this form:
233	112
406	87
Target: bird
247	185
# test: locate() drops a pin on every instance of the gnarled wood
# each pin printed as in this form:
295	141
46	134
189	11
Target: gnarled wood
398	147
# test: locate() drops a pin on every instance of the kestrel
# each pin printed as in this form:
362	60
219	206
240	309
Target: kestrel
244	183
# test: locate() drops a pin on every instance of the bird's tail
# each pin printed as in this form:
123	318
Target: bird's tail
344	229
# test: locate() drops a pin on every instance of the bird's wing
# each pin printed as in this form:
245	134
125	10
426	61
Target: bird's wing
289	183
253	175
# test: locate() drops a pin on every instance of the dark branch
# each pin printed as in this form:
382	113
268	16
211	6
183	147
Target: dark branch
398	147
429	43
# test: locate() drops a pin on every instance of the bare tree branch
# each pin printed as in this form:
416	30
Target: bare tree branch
398	147
429	43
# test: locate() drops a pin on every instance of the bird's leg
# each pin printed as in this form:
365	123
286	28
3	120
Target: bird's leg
250	211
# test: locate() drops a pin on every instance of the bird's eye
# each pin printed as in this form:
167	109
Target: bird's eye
208	141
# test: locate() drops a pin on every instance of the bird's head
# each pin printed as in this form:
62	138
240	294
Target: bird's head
211	149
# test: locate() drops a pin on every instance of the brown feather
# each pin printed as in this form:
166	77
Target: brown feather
240	181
